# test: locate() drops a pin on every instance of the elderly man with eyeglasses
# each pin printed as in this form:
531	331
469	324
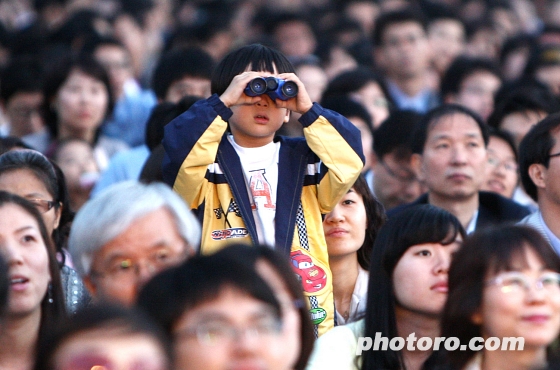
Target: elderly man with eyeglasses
127	234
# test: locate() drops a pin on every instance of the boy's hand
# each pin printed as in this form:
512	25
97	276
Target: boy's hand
234	94
301	103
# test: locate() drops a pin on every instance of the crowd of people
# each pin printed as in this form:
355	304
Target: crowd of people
258	184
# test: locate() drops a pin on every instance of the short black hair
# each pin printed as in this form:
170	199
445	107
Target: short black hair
177	64
422	129
393	135
505	136
535	148
518	98
256	56
349	108
397	16
462	68
353	80
21	75
199	280
161	115
97	318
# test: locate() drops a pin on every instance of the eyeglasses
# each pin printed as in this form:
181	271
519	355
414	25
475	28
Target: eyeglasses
411	177
507	165
43	205
129	269
554	155
218	333
514	282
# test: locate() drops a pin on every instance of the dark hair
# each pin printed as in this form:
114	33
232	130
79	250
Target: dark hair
504	136
4	287
250	255
52	178
375	220
485	252
535	148
385	20
257	57
84	63
200	279
462	68
348	107
161	115
96	42
21	75
178	64
353	80
415	225
520	98
8	143
107	318
422	129
393	135
542	56
516	42
51	312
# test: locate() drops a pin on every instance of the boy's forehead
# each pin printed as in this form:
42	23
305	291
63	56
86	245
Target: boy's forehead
251	69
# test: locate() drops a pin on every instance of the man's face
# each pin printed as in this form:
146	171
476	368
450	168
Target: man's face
395	182
196	86
547	182
24	113
454	159
405	51
116	61
477	92
123	265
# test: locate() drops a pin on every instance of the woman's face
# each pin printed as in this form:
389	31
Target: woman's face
81	104
375	101
509	309
501	170
77	162
232	331
420	277
291	329
110	349
345	226
26	184
25	252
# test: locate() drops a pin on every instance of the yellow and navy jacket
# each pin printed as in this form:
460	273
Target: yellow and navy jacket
313	174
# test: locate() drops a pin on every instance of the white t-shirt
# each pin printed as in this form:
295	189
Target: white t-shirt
260	167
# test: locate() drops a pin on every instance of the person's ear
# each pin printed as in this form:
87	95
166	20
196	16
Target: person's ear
417	166
90	285
538	173
57	215
287	117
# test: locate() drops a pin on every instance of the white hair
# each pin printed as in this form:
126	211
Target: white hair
110	213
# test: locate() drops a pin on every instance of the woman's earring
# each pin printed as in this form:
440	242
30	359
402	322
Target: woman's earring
49	293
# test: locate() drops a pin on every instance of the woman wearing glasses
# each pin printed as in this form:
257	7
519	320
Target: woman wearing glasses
504	282
31	175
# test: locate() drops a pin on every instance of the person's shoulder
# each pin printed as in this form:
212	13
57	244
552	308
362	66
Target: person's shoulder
336	349
507	208
422	199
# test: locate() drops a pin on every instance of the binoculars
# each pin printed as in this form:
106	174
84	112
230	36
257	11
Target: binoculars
274	87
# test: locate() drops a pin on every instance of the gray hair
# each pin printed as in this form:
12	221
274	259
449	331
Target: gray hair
110	213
